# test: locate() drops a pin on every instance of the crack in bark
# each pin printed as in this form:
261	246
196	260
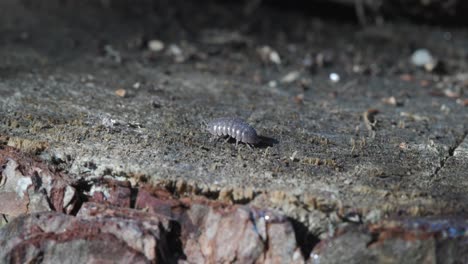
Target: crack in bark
451	151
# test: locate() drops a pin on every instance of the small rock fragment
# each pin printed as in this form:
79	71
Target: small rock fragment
422	57
267	55
176	52
290	77
136	85
389	100
155	45
334	77
392	101
299	99
353	217
403	146
293	156
120	92
445	109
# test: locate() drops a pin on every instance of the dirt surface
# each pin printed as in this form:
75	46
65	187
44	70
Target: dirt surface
84	92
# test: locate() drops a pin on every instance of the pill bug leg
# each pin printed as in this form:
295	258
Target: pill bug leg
216	139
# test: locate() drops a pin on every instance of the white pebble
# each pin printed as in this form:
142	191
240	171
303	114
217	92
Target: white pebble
175	50
290	77
421	57
275	58
334	77
268	54
155	45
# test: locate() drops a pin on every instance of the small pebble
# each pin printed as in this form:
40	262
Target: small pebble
334	77
445	109
392	101
267	54
403	146
272	84
155	45
290	77
422	57
176	52
353	217
275	58
299	99
293	156
120	92
348	181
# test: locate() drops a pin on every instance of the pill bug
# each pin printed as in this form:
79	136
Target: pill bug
233	128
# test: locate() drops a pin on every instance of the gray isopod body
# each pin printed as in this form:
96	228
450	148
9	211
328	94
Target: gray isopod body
235	128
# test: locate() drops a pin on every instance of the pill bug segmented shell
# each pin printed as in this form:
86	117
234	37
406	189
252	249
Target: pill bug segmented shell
235	128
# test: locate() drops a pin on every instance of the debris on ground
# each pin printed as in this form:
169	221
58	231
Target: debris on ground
269	55
155	45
